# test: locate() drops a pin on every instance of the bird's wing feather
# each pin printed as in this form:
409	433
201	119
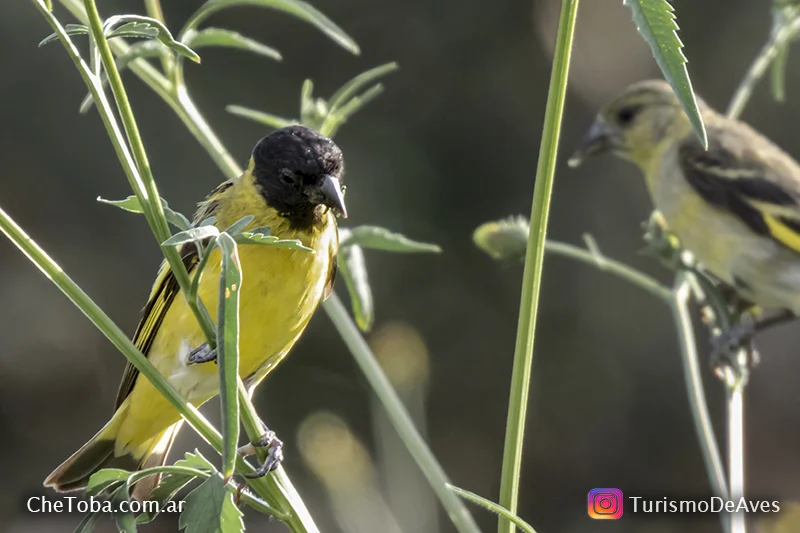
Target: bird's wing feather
164	290
747	175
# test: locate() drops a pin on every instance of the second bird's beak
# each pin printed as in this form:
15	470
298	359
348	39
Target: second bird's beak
600	138
329	193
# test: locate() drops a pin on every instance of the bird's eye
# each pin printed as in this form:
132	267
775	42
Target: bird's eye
288	177
626	115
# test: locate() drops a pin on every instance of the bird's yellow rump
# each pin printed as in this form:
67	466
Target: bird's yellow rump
292	185
736	206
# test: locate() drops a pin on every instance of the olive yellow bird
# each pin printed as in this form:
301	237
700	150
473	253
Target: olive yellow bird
292	185
735	206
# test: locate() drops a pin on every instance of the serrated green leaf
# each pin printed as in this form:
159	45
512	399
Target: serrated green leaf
87	524
192	235
125	520
493	507
69	29
655	20
349	89
268	119
231	517
378	238
230	284
229	39
298	8
353	269
169	486
210	509
271	240
197	461
104	479
163	34
142	30
239	225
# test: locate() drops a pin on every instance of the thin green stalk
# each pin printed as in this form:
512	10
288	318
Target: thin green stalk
149	192
398	415
709	447
532	276
784	29
631	275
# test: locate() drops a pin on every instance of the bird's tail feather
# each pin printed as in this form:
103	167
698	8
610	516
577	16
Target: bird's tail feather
97	454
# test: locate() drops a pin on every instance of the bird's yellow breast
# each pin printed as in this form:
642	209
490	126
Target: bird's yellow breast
280	290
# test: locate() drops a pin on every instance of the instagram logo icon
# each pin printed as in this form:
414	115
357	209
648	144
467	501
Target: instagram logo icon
605	504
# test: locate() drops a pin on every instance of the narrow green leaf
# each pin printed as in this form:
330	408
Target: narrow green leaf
493	507
163	34
274	121
334	120
379	238
230	284
132	205
104	479
655	20
779	73
204	506
126	522
192	235
239	225
353	269
70	29
349	89
87	524
298	8
271	240
229	39
207	221
141	30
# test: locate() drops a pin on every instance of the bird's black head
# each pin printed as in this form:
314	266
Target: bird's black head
299	173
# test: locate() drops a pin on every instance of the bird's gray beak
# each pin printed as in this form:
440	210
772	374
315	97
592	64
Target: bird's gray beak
329	193
600	138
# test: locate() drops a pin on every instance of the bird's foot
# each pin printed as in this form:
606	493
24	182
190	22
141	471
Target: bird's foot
274	458
202	354
727	349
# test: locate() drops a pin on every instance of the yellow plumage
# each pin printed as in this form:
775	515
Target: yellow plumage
281	289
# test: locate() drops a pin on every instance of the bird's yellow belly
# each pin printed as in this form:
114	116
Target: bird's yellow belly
280	291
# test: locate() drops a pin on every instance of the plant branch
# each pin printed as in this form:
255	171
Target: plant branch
531	281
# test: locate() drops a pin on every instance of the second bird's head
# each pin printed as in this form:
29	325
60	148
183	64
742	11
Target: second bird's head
637	125
299	173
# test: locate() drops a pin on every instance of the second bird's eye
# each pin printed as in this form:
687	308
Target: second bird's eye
626	115
288	177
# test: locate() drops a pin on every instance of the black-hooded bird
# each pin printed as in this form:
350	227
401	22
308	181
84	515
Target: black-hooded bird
735	206
292	184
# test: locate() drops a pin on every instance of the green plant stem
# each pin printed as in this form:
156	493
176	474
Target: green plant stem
531	281
398	415
278	485
631	275
679	306
145	189
784	28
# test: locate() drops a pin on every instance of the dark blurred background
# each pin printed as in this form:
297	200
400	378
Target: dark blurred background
450	144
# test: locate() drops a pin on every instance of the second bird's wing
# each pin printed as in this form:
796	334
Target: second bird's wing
747	175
